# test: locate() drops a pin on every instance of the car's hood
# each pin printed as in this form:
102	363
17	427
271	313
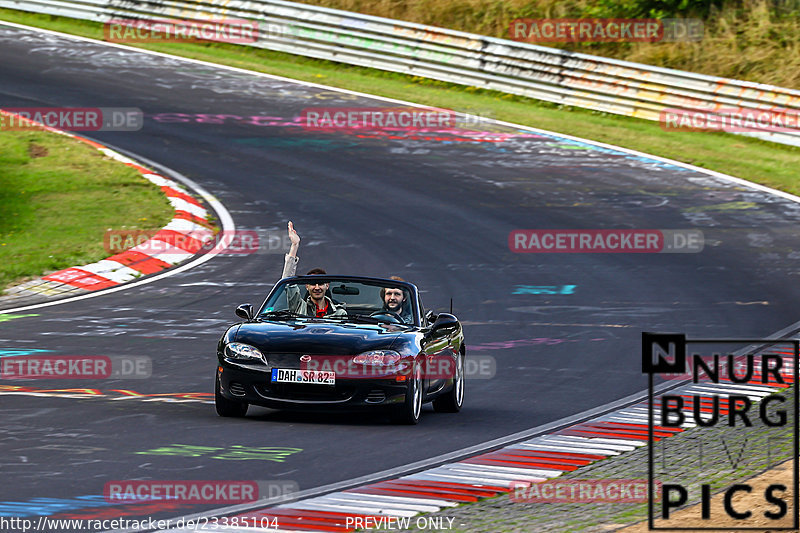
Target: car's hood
327	338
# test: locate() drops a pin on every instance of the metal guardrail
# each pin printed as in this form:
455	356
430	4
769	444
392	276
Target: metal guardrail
549	74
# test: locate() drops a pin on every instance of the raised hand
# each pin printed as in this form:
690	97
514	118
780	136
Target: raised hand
295	239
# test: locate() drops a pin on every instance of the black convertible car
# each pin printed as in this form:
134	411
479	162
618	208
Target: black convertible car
362	356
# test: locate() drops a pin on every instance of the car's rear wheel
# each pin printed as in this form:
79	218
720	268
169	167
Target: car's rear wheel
452	401
226	407
409	411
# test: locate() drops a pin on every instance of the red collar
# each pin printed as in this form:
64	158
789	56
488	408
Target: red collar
321	312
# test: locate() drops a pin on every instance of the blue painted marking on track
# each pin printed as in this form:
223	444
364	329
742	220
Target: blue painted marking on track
626	155
49	506
544	289
20	352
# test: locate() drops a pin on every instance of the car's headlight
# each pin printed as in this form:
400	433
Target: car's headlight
377	357
239	350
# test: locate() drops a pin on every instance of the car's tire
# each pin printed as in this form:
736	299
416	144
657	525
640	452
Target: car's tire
226	407
452	400
409	411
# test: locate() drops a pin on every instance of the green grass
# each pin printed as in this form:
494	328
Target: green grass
762	162
58	196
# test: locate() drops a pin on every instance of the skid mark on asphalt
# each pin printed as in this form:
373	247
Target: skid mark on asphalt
177	324
594	311
540	341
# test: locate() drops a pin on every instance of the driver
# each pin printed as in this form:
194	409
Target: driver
317	304
394	301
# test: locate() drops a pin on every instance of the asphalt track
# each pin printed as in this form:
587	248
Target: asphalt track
435	209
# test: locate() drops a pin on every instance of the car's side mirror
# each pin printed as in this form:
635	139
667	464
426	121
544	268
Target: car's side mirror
430	316
444	322
245	311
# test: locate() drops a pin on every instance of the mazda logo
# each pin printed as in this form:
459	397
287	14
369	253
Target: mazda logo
305	358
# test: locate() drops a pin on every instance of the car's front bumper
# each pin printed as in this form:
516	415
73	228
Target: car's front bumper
255	387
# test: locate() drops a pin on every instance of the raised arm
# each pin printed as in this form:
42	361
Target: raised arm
290	262
293	298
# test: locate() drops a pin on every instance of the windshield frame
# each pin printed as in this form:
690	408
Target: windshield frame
328	278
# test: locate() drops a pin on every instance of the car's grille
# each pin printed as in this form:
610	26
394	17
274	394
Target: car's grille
283	360
305	392
375	396
237	389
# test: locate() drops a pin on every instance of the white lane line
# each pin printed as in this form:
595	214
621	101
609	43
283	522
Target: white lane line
605	448
453	477
657	420
739	387
625	419
313	505
657	415
563	448
621	440
489	474
709	392
511	470
405	499
576	440
340	499
182	205
116	272
182	225
161	181
732	386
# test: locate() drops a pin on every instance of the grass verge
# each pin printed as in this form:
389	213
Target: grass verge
58	196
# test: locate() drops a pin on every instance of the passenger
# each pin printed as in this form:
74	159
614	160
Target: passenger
318	304
394	301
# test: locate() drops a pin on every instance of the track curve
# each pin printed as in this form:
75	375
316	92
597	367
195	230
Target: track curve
434	209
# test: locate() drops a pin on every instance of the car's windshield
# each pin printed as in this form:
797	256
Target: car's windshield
344	299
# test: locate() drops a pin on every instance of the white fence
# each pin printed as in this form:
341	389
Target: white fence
539	72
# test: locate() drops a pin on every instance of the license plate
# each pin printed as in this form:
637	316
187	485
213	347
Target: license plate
316	377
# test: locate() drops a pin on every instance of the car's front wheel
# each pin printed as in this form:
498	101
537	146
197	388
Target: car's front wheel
452	401
226	407
409	411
